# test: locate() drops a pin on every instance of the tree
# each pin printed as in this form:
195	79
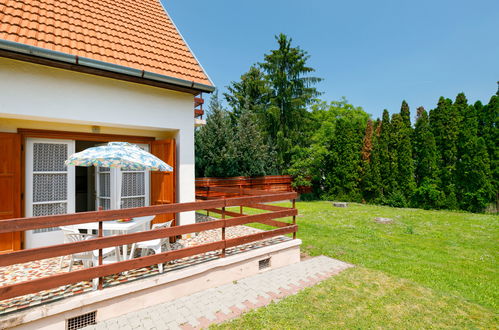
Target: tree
253	155
425	150
444	121
370	179
473	177
405	113
488	129
406	181
331	163
292	90
383	151
215	144
427	194
250	94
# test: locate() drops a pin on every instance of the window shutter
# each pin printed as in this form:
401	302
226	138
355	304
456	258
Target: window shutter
163	183
10	187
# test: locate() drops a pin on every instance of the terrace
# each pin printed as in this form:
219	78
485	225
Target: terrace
35	288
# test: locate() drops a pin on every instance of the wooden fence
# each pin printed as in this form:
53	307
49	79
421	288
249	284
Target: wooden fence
244	198
275	183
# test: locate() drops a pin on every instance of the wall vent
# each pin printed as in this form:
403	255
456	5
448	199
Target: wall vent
81	321
264	263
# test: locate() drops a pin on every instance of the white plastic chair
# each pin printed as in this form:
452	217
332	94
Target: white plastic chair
156	245
89	258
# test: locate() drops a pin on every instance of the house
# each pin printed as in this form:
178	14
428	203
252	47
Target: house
75	74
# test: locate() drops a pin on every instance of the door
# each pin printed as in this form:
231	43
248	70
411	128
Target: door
122	189
163	183
50	186
10	187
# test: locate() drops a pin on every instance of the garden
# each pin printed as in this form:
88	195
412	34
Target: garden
424	269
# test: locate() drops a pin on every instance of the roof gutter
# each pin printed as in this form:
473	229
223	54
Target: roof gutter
88	62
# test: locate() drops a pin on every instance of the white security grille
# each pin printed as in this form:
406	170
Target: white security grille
50	181
49	209
49	157
81	321
50	187
127	203
133	184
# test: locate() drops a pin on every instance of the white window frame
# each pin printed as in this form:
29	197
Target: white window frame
52	237
116	180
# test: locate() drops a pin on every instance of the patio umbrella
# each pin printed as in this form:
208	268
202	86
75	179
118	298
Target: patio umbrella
119	154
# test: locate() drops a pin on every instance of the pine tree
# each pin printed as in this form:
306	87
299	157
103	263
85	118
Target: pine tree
406	181
375	165
367	146
473	177
488	129
254	157
425	149
427	194
444	121
215	144
396	152
292	90
250	94
370	180
384	155
405	114
367	143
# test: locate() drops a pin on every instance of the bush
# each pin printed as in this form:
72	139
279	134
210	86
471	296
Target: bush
395	199
428	196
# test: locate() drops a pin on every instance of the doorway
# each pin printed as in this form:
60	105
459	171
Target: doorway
54	188
84	181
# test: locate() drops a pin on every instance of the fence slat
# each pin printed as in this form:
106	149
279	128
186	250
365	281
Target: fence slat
260	236
266	207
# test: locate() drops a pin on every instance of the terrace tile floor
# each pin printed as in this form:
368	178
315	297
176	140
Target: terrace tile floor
41	268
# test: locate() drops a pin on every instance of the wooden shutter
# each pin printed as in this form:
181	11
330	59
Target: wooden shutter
163	183
10	187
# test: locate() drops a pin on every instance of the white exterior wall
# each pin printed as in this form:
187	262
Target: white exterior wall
36	92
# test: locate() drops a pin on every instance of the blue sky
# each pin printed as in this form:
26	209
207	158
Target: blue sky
375	53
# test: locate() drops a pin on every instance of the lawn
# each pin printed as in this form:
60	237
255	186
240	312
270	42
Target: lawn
426	269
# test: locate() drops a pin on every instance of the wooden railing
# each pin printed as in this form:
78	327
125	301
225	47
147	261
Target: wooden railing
245	198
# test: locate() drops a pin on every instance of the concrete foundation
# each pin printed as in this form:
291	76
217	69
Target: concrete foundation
115	301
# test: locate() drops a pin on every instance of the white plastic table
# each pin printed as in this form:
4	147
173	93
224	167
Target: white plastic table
119	228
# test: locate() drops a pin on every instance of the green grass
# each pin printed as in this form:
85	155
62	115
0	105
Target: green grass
426	269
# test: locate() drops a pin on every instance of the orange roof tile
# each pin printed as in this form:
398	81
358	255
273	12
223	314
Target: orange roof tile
138	34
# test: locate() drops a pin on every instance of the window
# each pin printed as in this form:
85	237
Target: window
122	189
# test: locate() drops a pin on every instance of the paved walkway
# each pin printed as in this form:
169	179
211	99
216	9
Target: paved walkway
228	301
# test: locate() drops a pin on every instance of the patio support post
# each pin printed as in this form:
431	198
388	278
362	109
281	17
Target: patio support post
208	198
101	280
294	218
223	231
240	195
